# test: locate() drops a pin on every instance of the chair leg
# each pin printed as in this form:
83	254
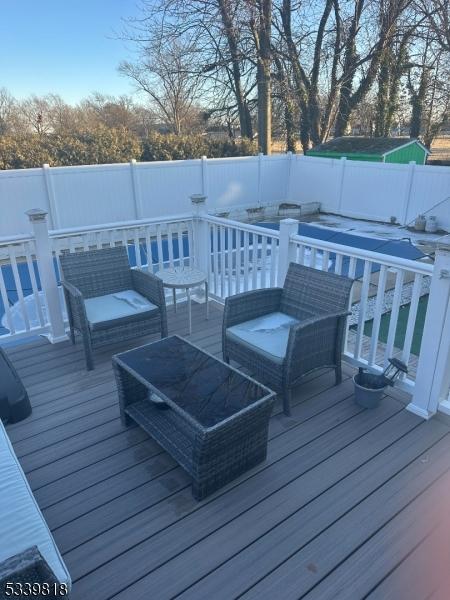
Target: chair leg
338	374
72	336
287	397
88	351
226	359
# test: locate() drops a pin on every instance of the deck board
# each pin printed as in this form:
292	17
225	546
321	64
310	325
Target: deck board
340	490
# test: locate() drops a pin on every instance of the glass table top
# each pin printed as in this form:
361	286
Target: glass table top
204	387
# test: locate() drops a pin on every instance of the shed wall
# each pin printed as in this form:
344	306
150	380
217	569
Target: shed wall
407	154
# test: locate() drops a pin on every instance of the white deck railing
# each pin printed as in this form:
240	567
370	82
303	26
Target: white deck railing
239	257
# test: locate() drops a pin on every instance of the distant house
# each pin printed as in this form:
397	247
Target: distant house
389	150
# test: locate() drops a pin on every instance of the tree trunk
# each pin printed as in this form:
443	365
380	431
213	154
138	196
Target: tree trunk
383	95
289	104
263	77
313	100
300	79
245	122
418	104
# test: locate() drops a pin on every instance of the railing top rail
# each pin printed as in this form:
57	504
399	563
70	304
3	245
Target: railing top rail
377	257
15	239
119	225
242	226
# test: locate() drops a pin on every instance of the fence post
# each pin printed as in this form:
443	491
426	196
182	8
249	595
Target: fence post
52	207
44	256
260	159
136	187
204	164
286	250
289	177
406	201
433	378
343	164
200	233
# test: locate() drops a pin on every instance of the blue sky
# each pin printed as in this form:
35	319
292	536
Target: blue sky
63	46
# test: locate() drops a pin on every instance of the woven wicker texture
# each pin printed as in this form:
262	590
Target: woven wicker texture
27	567
106	271
319	300
213	456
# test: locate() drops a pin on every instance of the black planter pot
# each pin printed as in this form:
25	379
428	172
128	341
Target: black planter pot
369	389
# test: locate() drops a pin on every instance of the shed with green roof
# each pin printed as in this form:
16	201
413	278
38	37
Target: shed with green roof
388	150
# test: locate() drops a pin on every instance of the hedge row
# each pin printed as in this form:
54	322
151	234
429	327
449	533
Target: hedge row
104	145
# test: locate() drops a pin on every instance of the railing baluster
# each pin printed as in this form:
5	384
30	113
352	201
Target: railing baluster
263	261
5	299
137	249
362	308
410	327
190	244
34	286
230	259
210	253
273	261
215	258
379	304
338	264
255	269
148	249
222	262
238	260
301	254
170	246
246	251
19	289
159	246
351	274
312	258
394	315
180	244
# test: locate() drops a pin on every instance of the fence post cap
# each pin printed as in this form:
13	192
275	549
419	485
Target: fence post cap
290	221
198	198
36	214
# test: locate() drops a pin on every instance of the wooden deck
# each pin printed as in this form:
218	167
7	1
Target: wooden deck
346	506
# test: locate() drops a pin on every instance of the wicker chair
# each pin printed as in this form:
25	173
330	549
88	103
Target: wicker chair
282	334
107	301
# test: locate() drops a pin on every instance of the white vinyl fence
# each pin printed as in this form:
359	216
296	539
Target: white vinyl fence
92	195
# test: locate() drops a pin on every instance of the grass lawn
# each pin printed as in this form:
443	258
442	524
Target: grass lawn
401	326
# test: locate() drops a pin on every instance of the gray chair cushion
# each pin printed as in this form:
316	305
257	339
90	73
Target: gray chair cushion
267	335
101	310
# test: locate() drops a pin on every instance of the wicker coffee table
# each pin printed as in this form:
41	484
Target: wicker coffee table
210	417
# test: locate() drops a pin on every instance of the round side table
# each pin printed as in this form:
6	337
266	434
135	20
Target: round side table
184	278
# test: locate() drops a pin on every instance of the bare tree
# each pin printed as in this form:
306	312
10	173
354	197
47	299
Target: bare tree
45	114
389	12
8	112
164	75
438	13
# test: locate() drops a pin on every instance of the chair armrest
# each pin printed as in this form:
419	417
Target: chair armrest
149	286
75	305
250	305
71	289
316	341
